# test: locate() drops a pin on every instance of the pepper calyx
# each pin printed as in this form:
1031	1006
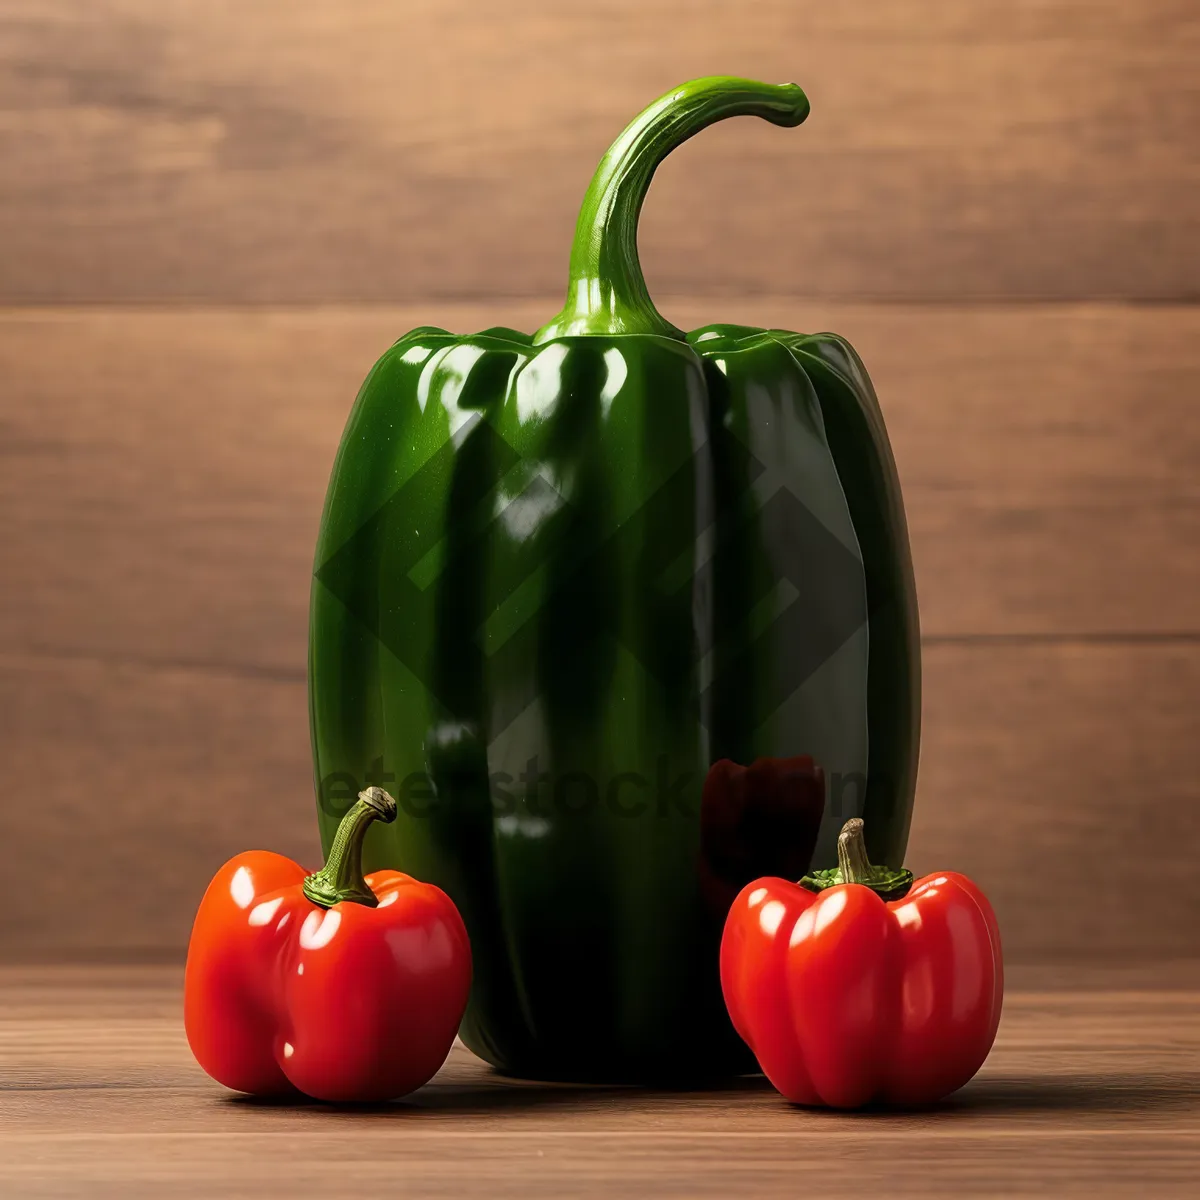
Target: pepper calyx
888	883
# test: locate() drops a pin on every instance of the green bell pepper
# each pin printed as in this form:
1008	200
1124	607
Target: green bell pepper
558	578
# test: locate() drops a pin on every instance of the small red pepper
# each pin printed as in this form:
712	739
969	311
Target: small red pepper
337	986
858	986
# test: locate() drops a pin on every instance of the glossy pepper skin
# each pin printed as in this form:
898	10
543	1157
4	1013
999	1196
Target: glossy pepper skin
848	999
353	996
559	577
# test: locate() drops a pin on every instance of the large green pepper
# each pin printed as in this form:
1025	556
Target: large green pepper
560	577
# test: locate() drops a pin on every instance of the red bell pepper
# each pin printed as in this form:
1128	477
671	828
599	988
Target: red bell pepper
857	985
337	986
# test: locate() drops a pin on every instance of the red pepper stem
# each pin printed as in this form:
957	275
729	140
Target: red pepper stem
853	862
341	878
889	883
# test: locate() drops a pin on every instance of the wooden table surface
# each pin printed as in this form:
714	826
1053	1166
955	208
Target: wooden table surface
1093	1091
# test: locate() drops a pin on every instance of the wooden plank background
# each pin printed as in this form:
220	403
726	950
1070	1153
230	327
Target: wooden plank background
214	217
307	150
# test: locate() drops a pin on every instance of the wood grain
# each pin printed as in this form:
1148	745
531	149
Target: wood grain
1086	1093
129	788
1059	776
295	151
163	473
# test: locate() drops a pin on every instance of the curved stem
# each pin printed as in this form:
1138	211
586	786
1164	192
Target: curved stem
607	292
855	867
341	878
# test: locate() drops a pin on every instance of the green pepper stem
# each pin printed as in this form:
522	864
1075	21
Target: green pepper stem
341	878
607	291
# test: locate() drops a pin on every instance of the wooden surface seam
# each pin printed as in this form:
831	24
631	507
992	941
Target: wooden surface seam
164	474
